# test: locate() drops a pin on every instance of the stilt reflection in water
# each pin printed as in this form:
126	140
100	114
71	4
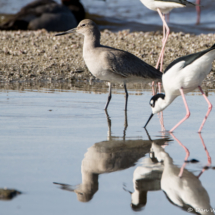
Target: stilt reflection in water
186	192
115	154
147	177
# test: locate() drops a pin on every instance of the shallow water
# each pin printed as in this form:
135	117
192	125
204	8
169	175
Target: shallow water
125	14
64	136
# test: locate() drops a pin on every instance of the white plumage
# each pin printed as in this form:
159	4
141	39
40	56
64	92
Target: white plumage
184	75
164	6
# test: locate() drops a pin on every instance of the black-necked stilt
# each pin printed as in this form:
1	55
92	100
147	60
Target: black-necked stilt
110	64
184	75
164	7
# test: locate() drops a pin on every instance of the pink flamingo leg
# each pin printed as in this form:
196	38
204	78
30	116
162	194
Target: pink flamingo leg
187	114
164	43
198	10
208	112
186	157
207	153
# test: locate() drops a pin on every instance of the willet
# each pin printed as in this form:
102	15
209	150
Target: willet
164	7
110	64
107	156
184	75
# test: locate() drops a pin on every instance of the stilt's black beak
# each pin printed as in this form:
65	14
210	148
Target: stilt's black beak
149	120
66	32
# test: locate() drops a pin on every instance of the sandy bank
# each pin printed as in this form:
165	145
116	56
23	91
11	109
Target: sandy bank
39	56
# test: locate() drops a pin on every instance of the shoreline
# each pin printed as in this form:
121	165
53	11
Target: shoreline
39	56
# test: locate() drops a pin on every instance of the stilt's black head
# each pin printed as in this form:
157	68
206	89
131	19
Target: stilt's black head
155	98
152	103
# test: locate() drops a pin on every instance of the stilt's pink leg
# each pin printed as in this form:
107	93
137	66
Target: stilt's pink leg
164	32
153	89
207	153
167	17
161	113
163	40
187	114
159	87
167	34
162	121
208	112
198	10
186	157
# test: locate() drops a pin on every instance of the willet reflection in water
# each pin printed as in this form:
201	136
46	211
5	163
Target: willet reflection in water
186	192
116	153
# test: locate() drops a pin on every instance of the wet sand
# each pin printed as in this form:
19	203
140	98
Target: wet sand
39	56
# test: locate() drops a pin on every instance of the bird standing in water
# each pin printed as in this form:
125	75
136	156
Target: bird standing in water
110	64
164	7
184	75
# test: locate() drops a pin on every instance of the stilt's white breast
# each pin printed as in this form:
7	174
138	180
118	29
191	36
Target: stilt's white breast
164	6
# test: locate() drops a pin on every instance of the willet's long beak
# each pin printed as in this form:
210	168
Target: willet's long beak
149	120
66	32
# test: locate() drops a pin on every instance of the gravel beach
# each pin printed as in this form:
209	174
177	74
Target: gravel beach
40	57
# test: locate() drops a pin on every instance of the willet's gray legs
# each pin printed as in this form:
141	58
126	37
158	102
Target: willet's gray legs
109	125
109	96
126	97
125	125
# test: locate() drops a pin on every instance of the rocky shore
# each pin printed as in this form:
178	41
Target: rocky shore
40	57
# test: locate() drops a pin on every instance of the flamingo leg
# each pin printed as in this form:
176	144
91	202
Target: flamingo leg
186	157
187	109
208	112
208	156
160	59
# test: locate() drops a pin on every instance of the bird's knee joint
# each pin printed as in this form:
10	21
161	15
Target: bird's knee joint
188	115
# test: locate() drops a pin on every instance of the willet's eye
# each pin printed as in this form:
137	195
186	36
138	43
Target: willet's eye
83	25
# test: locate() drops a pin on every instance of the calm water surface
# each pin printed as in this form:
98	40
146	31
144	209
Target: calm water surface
64	136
